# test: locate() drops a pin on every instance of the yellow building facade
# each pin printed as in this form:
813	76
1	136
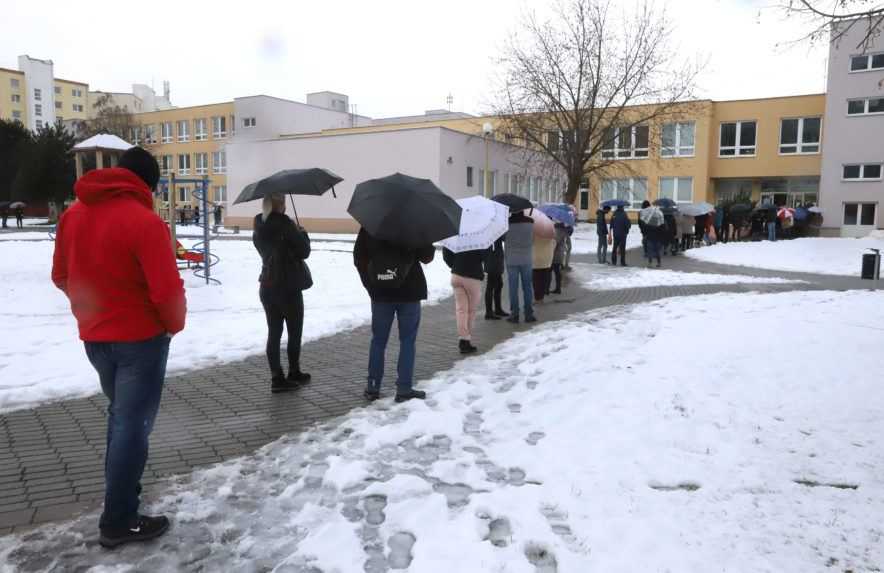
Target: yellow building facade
13	94
71	100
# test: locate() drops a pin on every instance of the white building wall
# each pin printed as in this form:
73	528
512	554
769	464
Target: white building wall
39	76
850	139
275	117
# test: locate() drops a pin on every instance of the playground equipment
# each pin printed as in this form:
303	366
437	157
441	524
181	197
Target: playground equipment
200	254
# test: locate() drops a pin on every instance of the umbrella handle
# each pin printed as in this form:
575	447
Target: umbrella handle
295	210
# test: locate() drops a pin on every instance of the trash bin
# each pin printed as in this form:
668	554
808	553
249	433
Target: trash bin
871	269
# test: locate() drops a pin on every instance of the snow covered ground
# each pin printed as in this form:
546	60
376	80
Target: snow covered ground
42	359
584	240
631	439
605	277
830	256
25	236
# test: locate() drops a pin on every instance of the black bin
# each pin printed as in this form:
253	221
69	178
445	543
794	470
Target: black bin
870	266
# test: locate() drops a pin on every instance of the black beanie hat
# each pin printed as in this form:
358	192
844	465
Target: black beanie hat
140	162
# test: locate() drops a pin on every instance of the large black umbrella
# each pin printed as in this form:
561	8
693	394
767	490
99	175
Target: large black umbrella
405	210
312	181
740	209
665	202
513	201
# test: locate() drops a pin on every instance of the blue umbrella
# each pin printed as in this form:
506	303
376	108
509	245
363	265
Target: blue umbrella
801	214
559	212
615	203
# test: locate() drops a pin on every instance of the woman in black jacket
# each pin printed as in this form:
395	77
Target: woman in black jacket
494	267
283	246
467	274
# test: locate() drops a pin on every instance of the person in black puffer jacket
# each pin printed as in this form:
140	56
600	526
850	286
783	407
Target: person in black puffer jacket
283	246
494	267
467	274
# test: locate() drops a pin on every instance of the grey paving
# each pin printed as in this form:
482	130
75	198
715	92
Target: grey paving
51	457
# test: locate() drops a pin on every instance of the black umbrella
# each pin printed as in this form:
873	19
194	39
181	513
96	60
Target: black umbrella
740	209
405	210
313	181
767	207
513	201
665	202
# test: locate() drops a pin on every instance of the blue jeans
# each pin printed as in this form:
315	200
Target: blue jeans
408	315
132	376
772	231
601	250
513	274
653	250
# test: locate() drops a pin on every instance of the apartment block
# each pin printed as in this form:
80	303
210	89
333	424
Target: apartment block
853	187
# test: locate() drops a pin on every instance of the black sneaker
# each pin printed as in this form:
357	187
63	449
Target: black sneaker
501	313
513	319
465	347
145	528
489	316
530	319
298	377
371	395
280	384
412	394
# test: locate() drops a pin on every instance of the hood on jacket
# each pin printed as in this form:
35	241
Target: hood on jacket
102	184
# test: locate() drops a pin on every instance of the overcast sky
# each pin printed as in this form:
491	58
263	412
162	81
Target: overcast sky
392	57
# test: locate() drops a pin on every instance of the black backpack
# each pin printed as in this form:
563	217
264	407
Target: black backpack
389	266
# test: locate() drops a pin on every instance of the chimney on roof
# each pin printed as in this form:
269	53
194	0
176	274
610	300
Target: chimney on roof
166	90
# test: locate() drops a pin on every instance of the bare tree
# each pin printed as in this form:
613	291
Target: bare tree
838	18
109	118
587	80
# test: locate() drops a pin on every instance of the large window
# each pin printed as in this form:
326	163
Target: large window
136	135
866	62
634	190
16	98
249	122
625	142
865	106
78	107
184	164
14	83
166	165
167	132
150	134
678	139
219	127
219	161
859	214
202	163
862	172
679	189
200	130
183	131
737	138
220	193
800	135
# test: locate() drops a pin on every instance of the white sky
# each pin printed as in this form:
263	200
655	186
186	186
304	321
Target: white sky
392	57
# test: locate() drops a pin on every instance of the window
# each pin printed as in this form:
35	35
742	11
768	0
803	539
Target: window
859	214
219	161
200	131
78	107
865	106
167	132
634	190
58	105
737	138
183	194
469	176
553	141
679	189
166	165
678	140
220	194
57	90
248	122
184	131
866	62
866	171
219	127
184	164
16	114
38	109
16	98
77	93
136	135
801	135
584	200
202	163
625	142
150	134
14	83
39	124
38	94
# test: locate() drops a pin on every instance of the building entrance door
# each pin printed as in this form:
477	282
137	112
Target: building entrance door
583	196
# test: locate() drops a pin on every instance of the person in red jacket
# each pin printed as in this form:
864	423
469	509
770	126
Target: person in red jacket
114	261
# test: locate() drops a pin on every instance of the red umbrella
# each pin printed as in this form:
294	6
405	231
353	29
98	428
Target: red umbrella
786	213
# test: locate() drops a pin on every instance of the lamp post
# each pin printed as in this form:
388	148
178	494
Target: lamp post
487	130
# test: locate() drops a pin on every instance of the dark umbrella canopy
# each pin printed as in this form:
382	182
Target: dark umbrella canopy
665	202
513	201
767	207
740	209
313	181
405	210
614	203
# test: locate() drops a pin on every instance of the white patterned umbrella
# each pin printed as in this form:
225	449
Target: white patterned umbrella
482	222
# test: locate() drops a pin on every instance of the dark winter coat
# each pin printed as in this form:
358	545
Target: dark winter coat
495	258
620	224
466	264
279	235
601	226
413	289
561	238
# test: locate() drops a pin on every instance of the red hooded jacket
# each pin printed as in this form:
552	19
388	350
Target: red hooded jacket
113	259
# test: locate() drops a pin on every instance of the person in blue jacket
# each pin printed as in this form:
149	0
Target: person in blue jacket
620	225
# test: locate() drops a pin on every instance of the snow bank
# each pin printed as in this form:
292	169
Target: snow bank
631	439
829	256
603	277
44	360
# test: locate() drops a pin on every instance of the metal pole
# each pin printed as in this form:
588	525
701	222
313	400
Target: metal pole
205	207
487	174
173	215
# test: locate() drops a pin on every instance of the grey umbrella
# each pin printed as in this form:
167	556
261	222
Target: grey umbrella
312	181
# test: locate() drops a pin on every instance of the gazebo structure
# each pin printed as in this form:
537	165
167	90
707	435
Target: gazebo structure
101	144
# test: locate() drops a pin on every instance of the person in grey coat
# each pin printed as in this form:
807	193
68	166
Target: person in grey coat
520	265
559	256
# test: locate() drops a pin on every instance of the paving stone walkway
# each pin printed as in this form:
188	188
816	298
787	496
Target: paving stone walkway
51	457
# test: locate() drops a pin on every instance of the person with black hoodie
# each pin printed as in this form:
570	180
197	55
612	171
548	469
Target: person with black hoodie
395	281
283	246
620	225
467	275
494	267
